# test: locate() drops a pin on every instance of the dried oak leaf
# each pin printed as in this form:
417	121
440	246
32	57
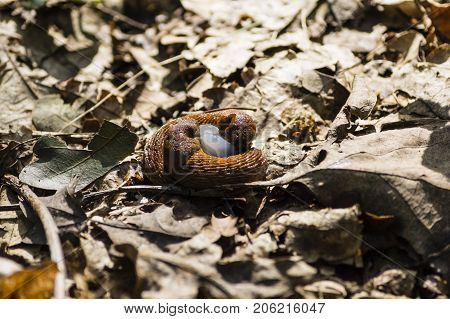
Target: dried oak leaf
58	165
403	172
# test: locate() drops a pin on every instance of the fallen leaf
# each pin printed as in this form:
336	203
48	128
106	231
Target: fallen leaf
345	10
322	289
8	267
356	41
226	53
398	282
57	164
273	15
362	99
51	114
16	101
403	172
439	13
65	207
333	235
408	44
162	220
30	283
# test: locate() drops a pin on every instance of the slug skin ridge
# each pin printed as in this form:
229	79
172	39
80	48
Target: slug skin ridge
174	152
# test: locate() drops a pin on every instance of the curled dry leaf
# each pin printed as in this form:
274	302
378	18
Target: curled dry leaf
162	220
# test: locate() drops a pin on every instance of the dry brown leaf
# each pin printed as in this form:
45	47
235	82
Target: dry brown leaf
30	283
403	172
439	14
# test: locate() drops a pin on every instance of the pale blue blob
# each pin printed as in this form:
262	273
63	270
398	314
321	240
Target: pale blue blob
214	144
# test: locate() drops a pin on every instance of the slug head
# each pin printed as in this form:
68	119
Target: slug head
239	129
181	142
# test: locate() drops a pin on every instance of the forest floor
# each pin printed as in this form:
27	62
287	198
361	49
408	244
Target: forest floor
352	104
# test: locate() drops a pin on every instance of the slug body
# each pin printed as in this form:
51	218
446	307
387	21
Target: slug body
204	150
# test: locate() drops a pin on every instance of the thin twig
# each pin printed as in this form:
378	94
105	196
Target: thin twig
30	89
71	135
171	189
232	108
50	229
222	109
117	16
8	208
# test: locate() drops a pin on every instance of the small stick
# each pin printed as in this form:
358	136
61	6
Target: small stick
50	229
30	89
232	108
7	208
222	109
71	135
117	16
172	189
217	191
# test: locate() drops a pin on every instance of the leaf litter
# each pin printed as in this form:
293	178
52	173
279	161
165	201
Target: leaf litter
352	104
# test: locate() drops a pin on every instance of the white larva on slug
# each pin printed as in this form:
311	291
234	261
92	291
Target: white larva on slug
214	144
